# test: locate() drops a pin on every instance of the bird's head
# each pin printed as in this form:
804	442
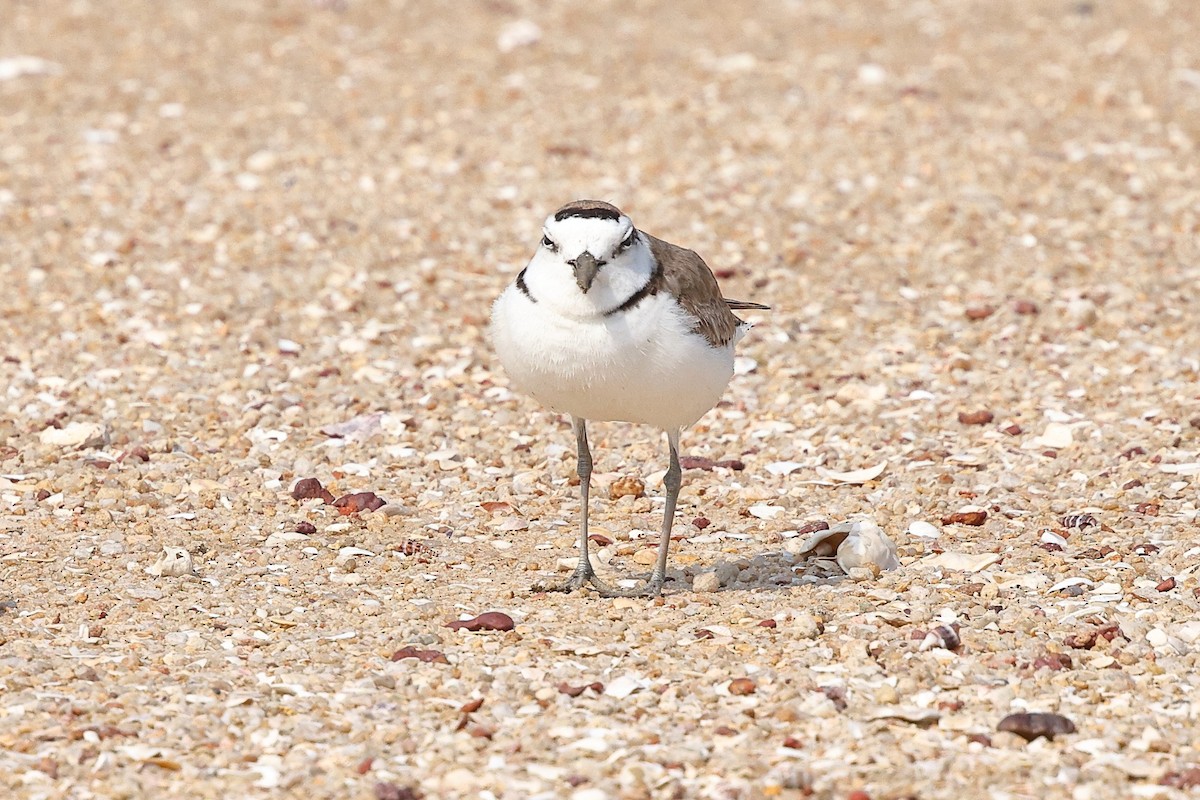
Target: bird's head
588	237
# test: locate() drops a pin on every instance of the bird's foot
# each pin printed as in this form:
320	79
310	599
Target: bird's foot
581	577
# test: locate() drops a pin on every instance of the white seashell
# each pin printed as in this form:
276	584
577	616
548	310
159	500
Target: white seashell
173	562
916	716
762	511
963	562
1190	468
923	529
1050	537
72	434
783	467
280	538
867	546
1067	583
854	476
518	33
857	544
19	66
625	685
743	365
1056	436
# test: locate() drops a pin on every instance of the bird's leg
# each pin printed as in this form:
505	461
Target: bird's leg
584	573
671	481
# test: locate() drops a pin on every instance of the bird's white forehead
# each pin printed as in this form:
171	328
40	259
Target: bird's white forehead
587	233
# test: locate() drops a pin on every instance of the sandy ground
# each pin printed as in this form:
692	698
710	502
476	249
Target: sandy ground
226	227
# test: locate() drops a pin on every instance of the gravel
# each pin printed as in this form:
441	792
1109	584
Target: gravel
248	244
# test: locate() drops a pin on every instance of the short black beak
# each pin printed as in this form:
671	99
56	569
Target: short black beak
586	266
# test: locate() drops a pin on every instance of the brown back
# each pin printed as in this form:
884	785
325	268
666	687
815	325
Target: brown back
685	275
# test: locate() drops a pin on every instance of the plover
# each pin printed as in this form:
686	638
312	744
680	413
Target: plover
609	323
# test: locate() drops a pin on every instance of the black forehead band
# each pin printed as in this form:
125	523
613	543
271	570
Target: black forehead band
587	213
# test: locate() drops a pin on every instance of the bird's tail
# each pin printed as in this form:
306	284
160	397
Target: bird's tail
745	304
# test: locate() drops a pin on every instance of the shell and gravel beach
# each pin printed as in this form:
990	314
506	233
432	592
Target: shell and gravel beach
249	244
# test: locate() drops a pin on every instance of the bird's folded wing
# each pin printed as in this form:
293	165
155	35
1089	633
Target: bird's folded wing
685	275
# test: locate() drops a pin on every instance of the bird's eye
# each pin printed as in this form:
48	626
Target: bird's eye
628	240
548	243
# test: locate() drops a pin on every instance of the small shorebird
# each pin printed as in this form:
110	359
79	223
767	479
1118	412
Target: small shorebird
609	323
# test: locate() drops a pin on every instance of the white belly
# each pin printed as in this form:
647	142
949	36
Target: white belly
643	366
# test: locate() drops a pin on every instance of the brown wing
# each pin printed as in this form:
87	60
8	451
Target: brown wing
685	275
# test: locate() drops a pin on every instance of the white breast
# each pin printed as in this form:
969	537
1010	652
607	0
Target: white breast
645	365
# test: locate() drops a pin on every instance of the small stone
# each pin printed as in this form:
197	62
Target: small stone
310	488
965	518
706	582
390	791
742	686
429	656
1030	726
981	417
626	486
976	313
1187	778
646	556
487	621
358	502
1166	585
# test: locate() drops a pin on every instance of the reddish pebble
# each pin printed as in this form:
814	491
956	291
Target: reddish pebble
1166	585
979	312
309	488
390	791
1033	725
493	506
1188	778
575	691
364	766
812	527
731	463
305	528
742	686
1053	661
487	621
599	539
858	794
1012	430
359	501
472	706
981	417
792	743
725	730
431	656
1025	307
965	518
701	522
696	462
768	623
